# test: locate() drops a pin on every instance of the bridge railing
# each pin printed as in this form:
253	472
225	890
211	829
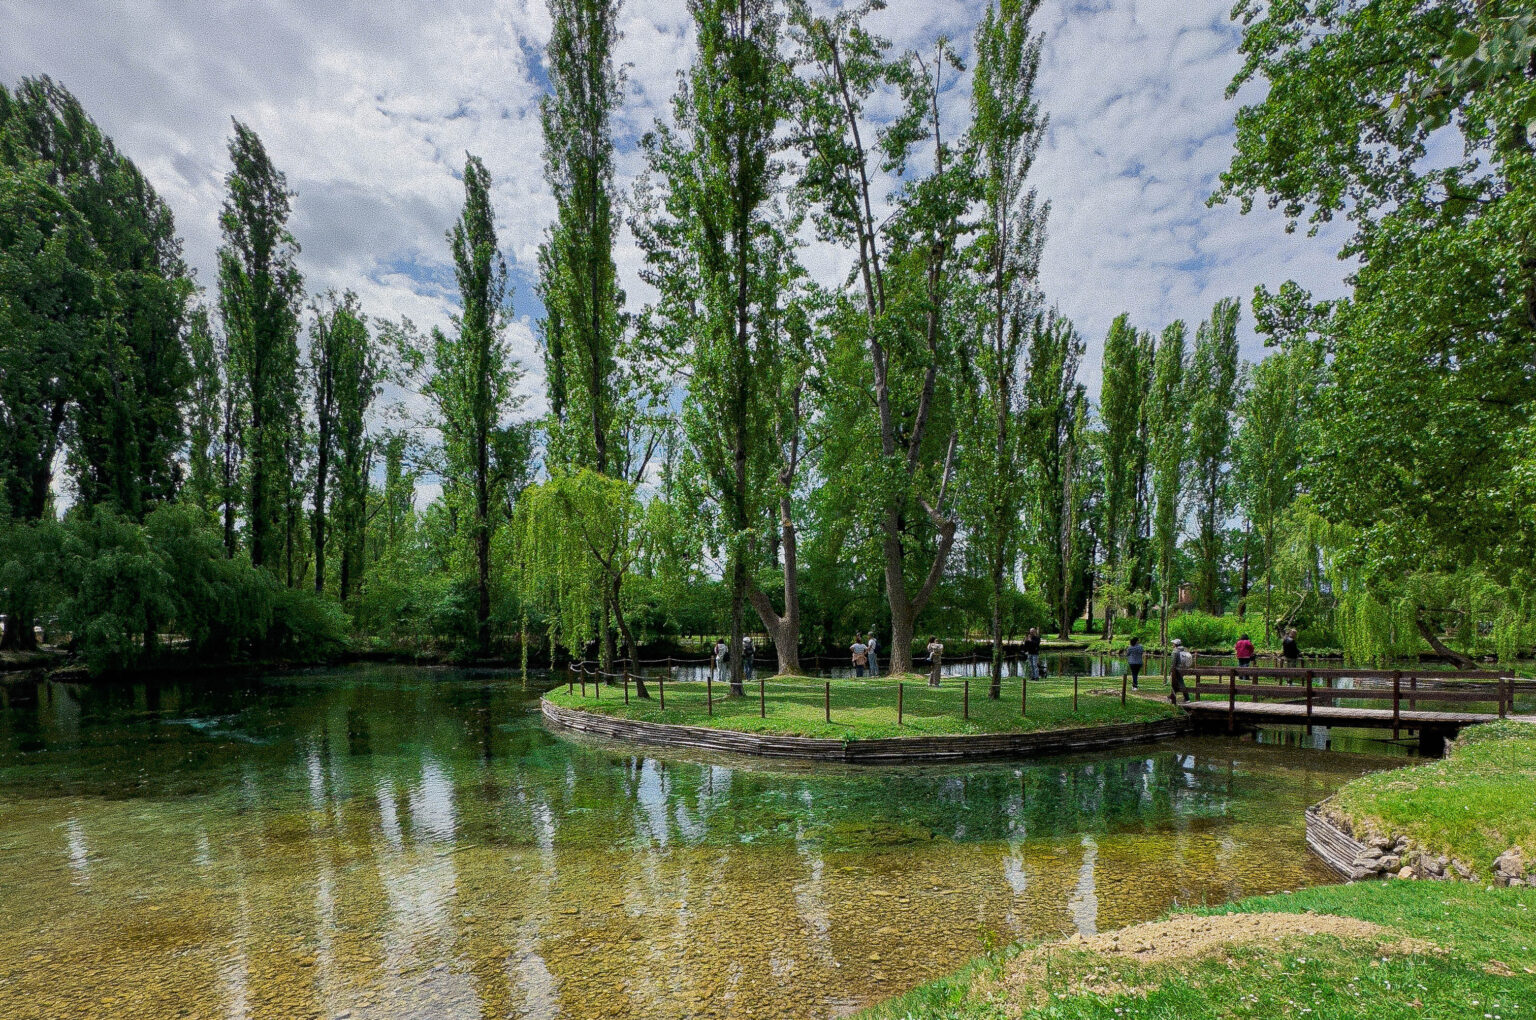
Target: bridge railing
1396	686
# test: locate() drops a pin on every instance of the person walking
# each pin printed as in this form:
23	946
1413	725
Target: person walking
1182	660
747	651
935	660
1135	656
872	644
859	653
1244	651
1032	652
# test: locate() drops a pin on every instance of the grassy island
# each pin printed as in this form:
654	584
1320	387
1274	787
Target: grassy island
864	709
1374	949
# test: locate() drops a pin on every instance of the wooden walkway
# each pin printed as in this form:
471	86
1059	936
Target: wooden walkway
1343	715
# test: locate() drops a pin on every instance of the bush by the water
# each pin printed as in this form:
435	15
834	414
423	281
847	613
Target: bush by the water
128	594
1202	630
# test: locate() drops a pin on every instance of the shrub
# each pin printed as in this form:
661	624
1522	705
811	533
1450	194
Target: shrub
1202	630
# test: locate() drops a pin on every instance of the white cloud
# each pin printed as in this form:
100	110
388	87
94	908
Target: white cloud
369	109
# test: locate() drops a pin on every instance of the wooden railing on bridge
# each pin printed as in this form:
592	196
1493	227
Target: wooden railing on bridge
1394	685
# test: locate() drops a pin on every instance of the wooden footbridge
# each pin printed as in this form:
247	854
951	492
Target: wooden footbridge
1435	705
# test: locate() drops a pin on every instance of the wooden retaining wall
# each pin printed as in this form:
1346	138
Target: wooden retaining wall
1336	847
882	751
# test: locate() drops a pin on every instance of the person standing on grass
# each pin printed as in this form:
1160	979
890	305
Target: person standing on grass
722	656
1135	656
1032	652
935	660
747	651
1182	660
1244	651
872	643
859	652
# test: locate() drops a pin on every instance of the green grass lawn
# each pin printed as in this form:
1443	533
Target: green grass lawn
862	709
1442	950
1472	805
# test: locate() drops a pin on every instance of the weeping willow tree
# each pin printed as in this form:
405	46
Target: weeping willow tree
574	540
1462	615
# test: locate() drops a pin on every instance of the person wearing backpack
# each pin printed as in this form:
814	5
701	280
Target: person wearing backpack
860	655
1182	659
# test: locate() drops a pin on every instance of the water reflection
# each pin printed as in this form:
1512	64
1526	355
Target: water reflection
397	843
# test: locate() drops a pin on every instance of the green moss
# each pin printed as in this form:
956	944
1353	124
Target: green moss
865	709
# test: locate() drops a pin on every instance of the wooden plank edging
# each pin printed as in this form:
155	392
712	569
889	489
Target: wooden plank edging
1336	847
880	751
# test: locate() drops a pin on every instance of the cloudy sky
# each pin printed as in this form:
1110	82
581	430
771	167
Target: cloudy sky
369	108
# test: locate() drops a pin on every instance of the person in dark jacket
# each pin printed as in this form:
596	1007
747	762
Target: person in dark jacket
1032	652
1135	656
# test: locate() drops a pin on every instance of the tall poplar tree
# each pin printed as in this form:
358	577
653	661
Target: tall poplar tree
907	270
344	372
470	379
1213	394
1005	134
260	291
1052	416
716	251
1121	399
1167	430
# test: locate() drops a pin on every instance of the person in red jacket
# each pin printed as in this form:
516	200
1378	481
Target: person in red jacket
1244	651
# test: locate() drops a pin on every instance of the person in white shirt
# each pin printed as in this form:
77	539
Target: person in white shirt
873	645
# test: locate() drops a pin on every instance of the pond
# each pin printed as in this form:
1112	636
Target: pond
397	842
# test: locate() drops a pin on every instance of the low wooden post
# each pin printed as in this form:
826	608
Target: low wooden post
1123	684
965	701
1024	693
1413	689
1397	701
1074	693
1503	699
762	700
661	686
709	693
626	687
583	683
899	686
1309	702
826	696
597	688
570	680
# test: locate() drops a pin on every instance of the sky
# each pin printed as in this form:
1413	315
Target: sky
369	109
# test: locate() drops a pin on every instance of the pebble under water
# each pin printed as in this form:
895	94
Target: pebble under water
392	842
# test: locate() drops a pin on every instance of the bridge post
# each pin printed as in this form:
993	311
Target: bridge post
1413	692
1397	702
1232	702
1309	702
1503	700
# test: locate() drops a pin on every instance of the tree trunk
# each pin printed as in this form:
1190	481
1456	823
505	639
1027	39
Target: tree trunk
322	468
482	548
1454	657
616	581
785	630
995	692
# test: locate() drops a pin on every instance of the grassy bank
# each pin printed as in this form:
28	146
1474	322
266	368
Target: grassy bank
864	709
1374	949
1472	805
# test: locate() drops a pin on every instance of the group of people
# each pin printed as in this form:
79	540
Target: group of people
1183	659
865	654
723	657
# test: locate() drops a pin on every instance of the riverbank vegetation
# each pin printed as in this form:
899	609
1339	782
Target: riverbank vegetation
1427	948
250	466
863	709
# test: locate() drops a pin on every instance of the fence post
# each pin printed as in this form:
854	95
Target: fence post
826	694
1074	693
626	687
899	686
1397	699
709	693
1503	700
1122	689
965	701
583	683
1413	690
762	700
1024	693
661	685
570	682
597	688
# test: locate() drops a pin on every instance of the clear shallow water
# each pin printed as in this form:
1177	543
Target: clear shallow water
392	842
